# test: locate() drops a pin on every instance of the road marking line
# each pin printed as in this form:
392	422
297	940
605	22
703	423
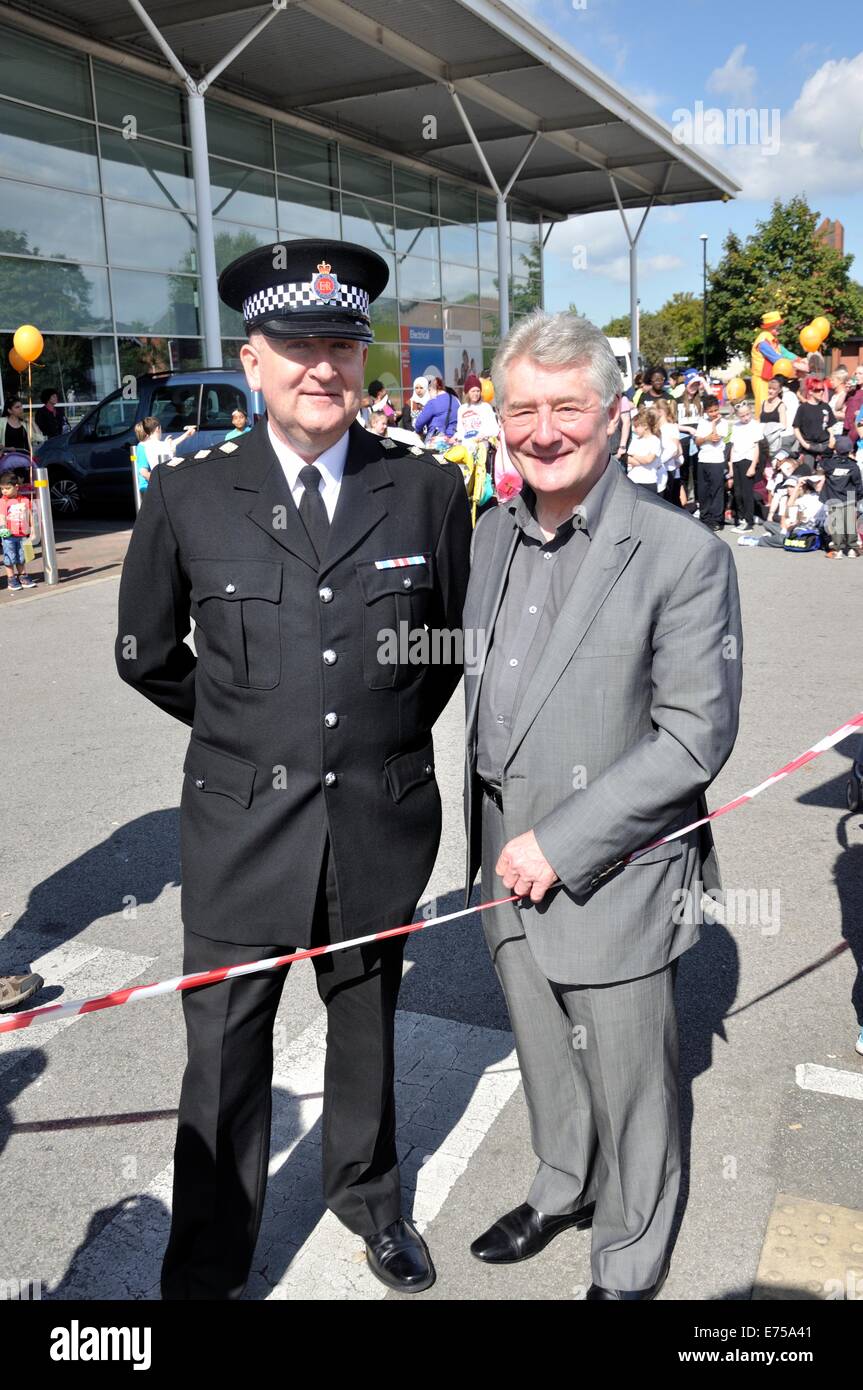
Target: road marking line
452	1080
829	1080
79	966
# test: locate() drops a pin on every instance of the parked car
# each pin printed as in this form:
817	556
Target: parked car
91	464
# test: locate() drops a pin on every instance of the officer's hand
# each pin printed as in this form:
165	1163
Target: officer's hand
525	869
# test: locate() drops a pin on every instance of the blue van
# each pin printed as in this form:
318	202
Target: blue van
91	464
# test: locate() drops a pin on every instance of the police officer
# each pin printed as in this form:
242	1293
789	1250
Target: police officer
305	553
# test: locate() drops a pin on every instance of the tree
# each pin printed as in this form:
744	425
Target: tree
527	293
672	331
53	294
783	265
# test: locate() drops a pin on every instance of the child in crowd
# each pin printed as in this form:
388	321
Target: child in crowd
152	448
644	459
747	436
671	456
16	526
841	492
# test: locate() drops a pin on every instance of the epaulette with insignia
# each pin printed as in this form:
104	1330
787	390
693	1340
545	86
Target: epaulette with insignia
228	447
202	454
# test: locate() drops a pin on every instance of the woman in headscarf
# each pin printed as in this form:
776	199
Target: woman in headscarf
419	398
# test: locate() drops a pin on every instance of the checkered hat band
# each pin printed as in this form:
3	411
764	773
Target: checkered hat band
300	295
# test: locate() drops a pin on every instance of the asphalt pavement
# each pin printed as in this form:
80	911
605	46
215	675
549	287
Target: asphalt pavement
89	866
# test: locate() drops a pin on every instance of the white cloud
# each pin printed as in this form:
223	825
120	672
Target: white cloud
734	79
596	245
819	149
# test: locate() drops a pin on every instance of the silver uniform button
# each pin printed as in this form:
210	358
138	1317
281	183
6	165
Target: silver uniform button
428	769
325	595
199	782
408	583
330	780
330	657
331	720
230	588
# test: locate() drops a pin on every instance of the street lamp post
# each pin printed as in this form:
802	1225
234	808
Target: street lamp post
704	304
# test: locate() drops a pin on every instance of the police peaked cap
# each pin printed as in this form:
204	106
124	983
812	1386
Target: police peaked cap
308	288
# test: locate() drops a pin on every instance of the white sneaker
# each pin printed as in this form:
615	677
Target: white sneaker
743	526
697	512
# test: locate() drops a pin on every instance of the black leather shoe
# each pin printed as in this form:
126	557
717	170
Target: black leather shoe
597	1294
524	1232
399	1257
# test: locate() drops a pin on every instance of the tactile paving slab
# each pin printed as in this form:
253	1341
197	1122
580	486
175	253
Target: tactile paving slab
811	1250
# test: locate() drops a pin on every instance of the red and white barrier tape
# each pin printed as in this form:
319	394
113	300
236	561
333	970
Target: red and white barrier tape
138	993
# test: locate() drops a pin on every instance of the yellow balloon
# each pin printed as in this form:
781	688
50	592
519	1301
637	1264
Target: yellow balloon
821	327
736	389
783	368
810	338
28	342
487	389
16	361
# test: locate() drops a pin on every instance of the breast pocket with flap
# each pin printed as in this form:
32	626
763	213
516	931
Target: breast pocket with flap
396	605
236	612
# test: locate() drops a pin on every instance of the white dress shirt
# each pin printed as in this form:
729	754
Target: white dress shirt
330	464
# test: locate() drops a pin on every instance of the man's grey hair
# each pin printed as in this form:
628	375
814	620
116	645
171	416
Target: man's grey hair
559	340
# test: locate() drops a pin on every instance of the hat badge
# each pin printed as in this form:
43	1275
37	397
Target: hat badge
325	285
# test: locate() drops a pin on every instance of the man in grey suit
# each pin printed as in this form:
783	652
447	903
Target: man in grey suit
604	704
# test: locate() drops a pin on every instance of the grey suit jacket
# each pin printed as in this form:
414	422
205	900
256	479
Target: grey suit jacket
631	713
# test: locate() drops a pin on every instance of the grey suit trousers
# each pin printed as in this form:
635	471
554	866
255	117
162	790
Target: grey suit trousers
599	1066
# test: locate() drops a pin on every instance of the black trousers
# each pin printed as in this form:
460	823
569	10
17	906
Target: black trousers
744	497
223	1136
711	493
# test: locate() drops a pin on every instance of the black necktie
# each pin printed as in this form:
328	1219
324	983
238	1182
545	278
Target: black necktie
313	513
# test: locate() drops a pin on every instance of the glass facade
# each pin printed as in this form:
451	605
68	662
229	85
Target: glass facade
97	229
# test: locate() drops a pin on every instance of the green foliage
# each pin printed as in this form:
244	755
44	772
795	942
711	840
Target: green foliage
783	265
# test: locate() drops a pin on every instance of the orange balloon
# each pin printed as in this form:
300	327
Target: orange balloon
810	338
822	328
784	368
736	389
28	342
487	389
16	361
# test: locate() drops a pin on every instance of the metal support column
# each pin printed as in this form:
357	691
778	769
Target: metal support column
195	92
501	195
206	236
634	334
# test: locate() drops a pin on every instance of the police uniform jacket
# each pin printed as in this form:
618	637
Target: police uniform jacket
299	729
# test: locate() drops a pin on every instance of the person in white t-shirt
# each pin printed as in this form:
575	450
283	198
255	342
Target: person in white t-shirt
476	418
644	458
671	456
710	436
747	436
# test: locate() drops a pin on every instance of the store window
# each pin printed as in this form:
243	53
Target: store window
239	135
458	243
363	174
460	283
146	172
81	369
58	296
233	240
47	149
137	105
242	194
306	210
368	223
306	157
150	238
415	191
416	234
418	279
29	224
26	61
165	305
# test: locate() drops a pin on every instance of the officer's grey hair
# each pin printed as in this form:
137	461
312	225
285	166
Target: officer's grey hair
559	340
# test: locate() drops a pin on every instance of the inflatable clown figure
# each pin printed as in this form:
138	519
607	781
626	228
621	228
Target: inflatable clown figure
766	352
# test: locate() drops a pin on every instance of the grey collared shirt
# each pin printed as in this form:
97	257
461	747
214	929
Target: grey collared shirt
541	574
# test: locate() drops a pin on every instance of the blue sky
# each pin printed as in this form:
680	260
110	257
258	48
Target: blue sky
802	60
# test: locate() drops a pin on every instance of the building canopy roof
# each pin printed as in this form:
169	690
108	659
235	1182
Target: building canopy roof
382	72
